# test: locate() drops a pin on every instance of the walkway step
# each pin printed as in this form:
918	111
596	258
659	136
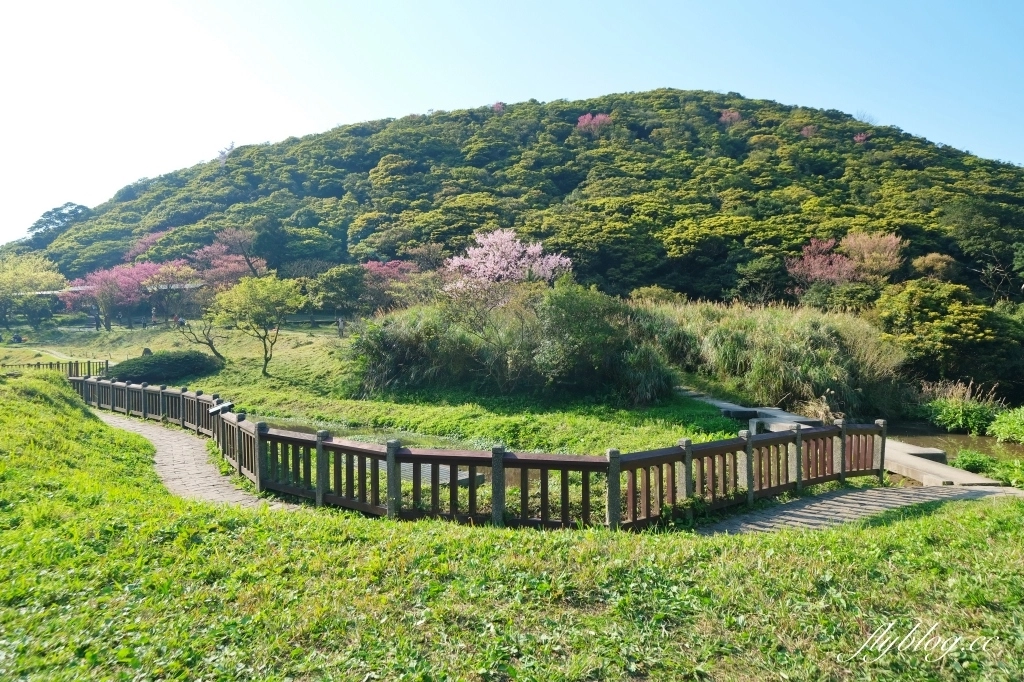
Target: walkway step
842	506
930	473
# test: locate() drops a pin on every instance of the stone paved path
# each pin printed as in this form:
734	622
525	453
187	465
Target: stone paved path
840	506
183	464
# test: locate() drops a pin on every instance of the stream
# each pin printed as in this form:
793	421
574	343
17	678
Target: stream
927	435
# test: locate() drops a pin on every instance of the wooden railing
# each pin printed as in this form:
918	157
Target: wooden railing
628	491
70	368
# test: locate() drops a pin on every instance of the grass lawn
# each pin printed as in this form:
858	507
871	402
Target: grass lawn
104	575
311	379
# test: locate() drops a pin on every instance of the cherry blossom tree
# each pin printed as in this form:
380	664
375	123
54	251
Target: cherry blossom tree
819	263
220	269
730	116
809	131
592	123
500	257
112	290
144	244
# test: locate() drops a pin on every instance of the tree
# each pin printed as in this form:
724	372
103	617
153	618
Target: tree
56	222
204	333
170	287
242	243
874	256
820	264
112	290
947	334
21	278
258	306
339	289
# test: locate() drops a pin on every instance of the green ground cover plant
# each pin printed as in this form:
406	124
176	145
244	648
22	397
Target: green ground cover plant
104	575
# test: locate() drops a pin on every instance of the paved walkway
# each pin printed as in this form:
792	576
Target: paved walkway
841	506
183	464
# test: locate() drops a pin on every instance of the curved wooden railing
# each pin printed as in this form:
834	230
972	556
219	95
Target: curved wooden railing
628	491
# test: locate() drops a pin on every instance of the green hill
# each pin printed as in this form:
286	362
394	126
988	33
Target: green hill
678	188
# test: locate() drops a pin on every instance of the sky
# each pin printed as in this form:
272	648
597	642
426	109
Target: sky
94	96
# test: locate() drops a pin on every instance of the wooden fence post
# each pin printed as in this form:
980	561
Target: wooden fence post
145	412
497	485
181	406
880	448
198	405
322	467
261	452
394	471
240	417
748	464
163	401
841	423
614	493
798	461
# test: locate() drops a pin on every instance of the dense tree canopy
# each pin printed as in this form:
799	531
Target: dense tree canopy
699	192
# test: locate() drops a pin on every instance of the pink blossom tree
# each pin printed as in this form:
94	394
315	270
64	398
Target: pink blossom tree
861	138
144	244
500	257
819	263
112	290
730	116
498	107
809	131
380	280
220	269
592	123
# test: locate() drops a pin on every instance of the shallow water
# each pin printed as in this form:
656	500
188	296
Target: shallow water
928	436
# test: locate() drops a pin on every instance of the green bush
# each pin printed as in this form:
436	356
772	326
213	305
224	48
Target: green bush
785	356
958	415
567	339
1007	472
165	366
1008	425
973	461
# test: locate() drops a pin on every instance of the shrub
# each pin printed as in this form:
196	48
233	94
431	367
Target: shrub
166	366
973	461
1008	425
786	356
567	339
956	406
1007	472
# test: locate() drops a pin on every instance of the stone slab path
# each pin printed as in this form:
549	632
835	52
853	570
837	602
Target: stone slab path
183	464
841	506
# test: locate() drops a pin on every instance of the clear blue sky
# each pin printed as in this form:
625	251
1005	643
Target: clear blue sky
97	95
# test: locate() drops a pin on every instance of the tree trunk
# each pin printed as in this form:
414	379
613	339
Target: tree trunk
106	322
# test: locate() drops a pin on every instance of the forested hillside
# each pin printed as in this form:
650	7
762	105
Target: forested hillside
700	192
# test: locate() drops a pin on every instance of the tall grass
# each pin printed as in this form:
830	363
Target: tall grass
787	356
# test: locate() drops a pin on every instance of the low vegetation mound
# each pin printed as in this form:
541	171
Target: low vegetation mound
166	366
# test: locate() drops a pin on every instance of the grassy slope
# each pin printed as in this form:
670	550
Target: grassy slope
310	375
104	575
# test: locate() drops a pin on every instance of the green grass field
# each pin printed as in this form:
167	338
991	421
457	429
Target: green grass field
311	377
104	575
